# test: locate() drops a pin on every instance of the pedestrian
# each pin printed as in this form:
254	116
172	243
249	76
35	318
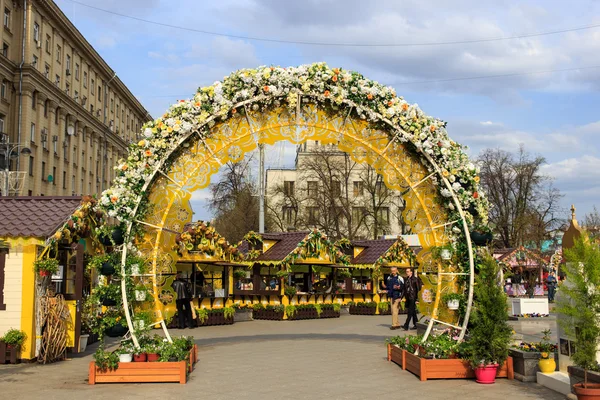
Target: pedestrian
551	283
395	285
412	287
183	302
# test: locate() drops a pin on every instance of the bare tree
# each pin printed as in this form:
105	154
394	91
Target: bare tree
525	204
592	219
234	206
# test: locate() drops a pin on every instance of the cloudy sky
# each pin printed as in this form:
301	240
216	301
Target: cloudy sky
541	89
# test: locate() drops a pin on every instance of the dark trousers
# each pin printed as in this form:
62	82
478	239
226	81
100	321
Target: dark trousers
411	312
184	312
551	291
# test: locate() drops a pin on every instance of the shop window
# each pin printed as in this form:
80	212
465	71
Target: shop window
207	282
361	280
268	280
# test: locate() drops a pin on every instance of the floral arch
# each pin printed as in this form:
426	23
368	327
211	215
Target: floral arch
180	151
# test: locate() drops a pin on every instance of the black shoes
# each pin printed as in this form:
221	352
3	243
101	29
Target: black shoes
414	328
394	327
405	328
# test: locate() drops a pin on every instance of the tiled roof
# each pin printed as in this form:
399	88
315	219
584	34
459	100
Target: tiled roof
35	216
373	250
286	243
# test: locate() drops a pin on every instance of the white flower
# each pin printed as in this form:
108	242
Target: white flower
446	193
148	132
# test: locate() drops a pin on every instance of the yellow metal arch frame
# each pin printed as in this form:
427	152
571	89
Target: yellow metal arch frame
195	159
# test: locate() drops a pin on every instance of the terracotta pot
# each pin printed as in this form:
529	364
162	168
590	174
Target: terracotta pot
152	357
140	357
44	273
591	392
486	374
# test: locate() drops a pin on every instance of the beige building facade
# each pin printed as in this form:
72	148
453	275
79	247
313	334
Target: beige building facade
62	101
328	191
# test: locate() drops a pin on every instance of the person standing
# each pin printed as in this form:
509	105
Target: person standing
394	285
412	287
183	302
551	283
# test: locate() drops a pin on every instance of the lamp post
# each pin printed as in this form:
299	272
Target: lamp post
11	151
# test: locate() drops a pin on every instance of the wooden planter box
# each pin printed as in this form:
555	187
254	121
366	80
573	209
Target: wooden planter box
330	313
215	319
525	364
441	369
144	372
268	314
9	354
241	316
361	310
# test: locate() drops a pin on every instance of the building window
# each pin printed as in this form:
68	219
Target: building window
2	123
47	71
76	71
31	163
58	53
43	171
68	63
312	188
66	151
7	18
5	50
381	189
55	144
384	215
313	215
99	94
112	105
336	189
76	95
3	90
64	179
48	40
67	88
358	214
288	188
358	188
92	108
54	175
57	81
44	139
92	87
36	32
84	79
32	133
73	184
288	215
34	63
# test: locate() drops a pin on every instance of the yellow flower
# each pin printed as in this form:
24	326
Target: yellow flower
544	355
476	179
446	173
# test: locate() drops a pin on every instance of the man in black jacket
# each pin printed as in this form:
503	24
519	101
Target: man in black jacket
412	287
183	302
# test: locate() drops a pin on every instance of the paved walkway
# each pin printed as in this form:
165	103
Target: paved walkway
332	358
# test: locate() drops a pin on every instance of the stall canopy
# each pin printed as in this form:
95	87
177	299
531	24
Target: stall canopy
520	257
383	252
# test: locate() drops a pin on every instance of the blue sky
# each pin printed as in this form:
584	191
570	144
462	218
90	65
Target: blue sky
554	114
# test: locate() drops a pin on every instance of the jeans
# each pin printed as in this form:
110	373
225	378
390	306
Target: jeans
184	312
411	307
551	291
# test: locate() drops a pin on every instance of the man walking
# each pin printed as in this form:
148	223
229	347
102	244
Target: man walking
551	283
412	287
394	285
183	302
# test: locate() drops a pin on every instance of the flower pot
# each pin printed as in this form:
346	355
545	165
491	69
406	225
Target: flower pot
83	341
108	302
44	273
140	295
140	324
125	358
486	374
118	236
135	270
107	269
116	331
547	365
591	392
105	240
152	357
140	357
481	239
445	254
453	304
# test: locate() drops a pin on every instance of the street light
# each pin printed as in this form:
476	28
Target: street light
11	151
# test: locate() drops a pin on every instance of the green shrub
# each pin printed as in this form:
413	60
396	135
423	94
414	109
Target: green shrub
49	265
14	337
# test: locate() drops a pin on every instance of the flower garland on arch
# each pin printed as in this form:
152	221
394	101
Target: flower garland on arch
266	87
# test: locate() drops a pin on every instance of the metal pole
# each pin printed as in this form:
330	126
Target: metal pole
261	186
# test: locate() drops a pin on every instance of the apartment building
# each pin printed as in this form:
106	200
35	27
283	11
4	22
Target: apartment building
329	191
62	101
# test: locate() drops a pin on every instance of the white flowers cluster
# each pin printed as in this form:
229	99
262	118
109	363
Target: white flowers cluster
273	86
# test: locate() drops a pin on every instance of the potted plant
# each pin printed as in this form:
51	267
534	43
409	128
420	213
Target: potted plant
152	351
481	236
125	353
452	300
14	338
290	291
103	263
139	354
546	363
141	292
344	273
579	304
46	266
490	334
106	361
239	273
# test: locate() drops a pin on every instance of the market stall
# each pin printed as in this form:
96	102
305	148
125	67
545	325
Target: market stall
528	270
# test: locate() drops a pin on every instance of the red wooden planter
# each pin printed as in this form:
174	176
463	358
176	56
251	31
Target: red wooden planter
9	354
441	369
142	372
